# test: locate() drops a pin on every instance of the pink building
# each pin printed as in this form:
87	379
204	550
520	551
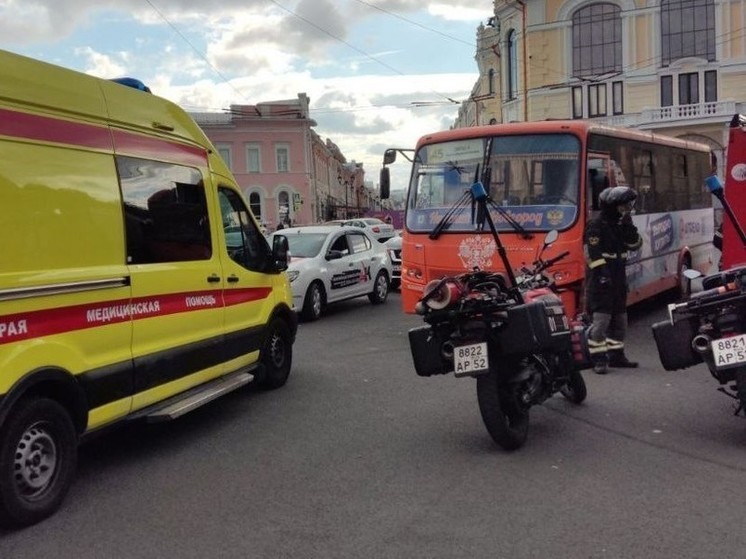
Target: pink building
287	173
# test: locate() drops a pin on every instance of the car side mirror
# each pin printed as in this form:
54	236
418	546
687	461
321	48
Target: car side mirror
385	183
334	255
280	252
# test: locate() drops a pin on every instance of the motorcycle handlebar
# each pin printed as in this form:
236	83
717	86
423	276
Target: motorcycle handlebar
543	265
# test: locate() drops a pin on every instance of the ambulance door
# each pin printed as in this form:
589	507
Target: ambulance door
247	289
177	307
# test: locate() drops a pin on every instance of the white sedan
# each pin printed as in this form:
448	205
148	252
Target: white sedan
330	263
378	229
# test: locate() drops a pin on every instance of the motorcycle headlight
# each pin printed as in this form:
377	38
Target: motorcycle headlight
293	275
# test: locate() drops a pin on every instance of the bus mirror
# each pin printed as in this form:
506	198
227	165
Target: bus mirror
385	183
389	156
551	237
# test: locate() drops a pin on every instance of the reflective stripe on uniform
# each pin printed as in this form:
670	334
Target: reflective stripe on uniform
597	263
597	347
609	254
613	344
637	244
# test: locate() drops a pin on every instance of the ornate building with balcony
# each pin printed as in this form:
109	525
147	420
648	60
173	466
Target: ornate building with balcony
677	67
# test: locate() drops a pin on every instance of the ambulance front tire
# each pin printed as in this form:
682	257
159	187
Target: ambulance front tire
276	356
38	457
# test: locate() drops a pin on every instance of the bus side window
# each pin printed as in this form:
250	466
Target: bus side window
597	181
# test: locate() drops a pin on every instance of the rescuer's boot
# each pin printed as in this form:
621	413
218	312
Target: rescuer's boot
618	360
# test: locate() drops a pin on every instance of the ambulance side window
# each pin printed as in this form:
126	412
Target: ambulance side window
244	242
165	211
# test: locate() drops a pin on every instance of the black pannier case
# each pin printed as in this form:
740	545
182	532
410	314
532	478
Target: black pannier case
534	327
674	342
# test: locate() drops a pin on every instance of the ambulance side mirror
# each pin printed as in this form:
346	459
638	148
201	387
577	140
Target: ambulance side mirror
280	253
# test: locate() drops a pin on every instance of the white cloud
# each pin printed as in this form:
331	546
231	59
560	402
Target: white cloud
249	51
103	65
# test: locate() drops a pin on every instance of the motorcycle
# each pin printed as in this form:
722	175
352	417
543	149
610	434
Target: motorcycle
710	327
512	335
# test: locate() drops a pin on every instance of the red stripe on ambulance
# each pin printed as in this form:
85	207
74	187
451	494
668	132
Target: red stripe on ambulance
45	129
26	126
48	322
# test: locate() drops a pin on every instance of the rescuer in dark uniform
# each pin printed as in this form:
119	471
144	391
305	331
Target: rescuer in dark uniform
608	240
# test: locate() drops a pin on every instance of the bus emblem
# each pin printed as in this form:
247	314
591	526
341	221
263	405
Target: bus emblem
555	217
476	252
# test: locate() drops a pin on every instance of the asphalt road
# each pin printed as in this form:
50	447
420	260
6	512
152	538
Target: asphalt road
357	457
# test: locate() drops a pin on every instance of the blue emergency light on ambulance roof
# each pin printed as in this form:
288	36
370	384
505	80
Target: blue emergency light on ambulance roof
132	82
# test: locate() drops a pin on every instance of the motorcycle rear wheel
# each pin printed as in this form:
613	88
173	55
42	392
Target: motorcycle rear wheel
505	419
575	389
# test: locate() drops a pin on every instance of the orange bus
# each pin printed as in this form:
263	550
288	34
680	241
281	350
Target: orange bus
547	175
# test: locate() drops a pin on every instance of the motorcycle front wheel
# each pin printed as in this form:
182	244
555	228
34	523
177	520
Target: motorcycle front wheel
575	389
503	416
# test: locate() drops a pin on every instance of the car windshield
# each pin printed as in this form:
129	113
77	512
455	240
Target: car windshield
533	177
306	245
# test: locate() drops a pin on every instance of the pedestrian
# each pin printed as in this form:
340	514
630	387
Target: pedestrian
608	239
280	226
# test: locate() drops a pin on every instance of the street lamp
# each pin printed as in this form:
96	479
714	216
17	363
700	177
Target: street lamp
346	184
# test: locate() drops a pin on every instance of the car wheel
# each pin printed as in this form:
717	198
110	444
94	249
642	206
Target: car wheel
380	289
38	456
276	356
313	304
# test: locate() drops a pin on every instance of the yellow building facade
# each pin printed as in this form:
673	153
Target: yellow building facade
677	67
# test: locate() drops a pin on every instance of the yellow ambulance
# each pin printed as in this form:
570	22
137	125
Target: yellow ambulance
134	281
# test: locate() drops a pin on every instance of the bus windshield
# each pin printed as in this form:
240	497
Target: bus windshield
533	177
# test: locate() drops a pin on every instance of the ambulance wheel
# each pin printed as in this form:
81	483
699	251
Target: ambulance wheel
313	303
276	356
380	289
38	456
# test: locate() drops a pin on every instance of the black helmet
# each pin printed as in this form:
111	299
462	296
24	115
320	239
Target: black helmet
617	195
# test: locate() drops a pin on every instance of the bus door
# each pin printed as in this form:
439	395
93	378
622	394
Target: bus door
599	177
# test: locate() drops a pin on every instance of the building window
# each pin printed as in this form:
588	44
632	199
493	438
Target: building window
666	91
283	208
617	97
597	40
577	102
512	72
597	100
255	203
711	86
253	158
225	153
282	156
689	88
491	81
687	29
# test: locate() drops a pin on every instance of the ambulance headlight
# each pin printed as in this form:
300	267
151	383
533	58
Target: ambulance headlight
293	275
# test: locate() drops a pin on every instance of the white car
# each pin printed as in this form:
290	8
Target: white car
393	245
330	263
378	229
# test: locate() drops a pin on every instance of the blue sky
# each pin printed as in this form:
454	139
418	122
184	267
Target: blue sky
361	62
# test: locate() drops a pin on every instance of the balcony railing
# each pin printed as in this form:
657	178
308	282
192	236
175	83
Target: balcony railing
655	117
